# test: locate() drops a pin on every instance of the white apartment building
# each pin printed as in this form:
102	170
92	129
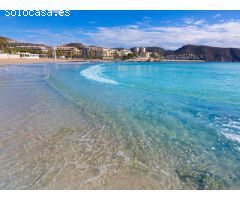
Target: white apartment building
124	52
110	54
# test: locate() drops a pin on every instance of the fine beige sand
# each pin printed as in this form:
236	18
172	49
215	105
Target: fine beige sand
42	60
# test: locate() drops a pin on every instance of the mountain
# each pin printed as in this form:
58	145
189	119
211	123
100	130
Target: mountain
12	46
156	50
77	45
23	44
119	48
209	53
13	43
199	52
5	42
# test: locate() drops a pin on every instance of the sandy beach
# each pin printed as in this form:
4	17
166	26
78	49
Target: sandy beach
43	60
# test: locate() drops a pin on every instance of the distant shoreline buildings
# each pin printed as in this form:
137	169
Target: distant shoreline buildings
13	49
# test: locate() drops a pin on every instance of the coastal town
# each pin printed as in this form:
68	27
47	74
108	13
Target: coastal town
11	49
24	51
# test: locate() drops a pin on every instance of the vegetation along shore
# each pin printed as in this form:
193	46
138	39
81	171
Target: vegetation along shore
12	51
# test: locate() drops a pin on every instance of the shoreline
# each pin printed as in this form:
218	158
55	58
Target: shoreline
46	60
183	61
51	60
29	61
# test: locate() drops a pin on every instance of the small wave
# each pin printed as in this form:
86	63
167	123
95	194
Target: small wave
233	137
233	124
225	122
227	126
95	73
231	130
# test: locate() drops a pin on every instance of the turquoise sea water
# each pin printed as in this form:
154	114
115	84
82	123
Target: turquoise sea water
174	125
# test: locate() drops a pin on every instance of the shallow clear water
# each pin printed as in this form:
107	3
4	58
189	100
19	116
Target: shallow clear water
120	125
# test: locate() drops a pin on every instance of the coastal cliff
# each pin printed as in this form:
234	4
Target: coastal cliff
208	53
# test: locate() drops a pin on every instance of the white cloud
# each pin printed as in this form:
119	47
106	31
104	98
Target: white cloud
199	22
191	21
226	34
188	20
46	36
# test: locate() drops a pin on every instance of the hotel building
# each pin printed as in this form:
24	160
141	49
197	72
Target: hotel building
30	47
68	52
92	52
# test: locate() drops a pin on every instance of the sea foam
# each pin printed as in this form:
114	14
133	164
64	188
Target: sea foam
232	137
95	73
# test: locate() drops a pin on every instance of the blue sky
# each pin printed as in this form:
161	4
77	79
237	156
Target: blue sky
168	29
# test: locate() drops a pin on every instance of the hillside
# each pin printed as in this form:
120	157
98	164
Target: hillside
209	53
75	44
12	46
5	42
159	50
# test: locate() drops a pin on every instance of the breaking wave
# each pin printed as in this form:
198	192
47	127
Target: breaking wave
233	137
229	127
95	73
